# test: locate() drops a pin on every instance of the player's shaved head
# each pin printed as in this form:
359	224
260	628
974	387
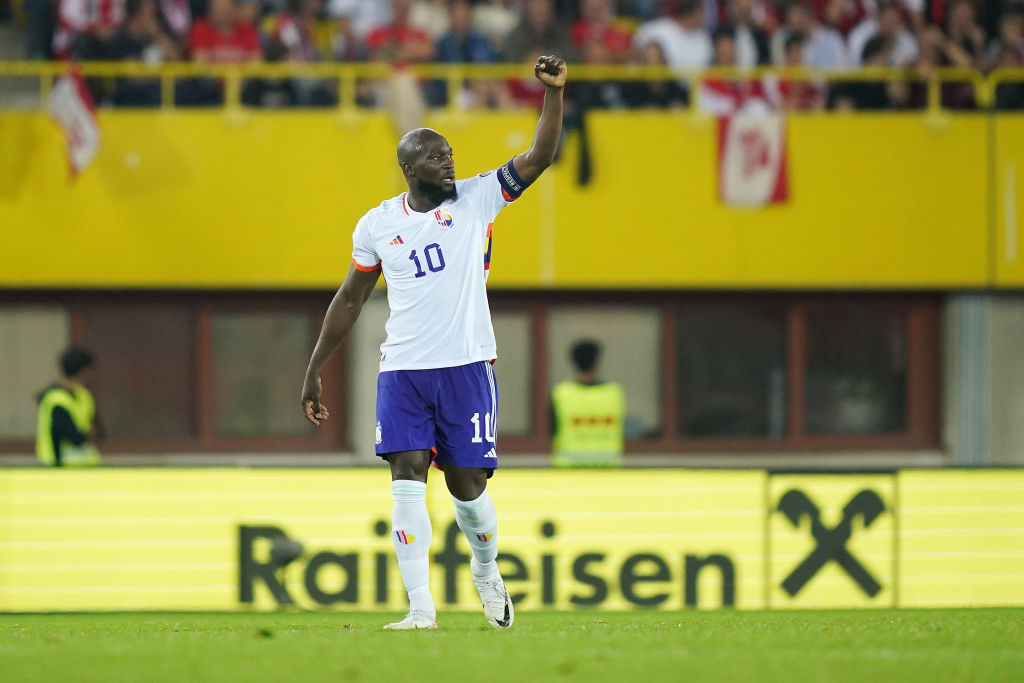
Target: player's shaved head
426	160
410	147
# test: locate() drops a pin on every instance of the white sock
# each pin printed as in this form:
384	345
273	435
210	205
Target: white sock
410	532
479	522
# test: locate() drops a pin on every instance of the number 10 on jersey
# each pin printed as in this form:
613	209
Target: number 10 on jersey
435	260
488	428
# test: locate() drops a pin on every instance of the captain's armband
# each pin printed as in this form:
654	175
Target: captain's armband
511	184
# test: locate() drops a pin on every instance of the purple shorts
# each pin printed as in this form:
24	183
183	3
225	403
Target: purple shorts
452	410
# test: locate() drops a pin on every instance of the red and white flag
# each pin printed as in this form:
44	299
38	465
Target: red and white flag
72	108
752	160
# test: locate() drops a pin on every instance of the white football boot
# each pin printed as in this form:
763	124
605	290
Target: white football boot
497	604
414	620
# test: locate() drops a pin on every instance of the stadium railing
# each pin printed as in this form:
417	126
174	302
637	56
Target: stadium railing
346	75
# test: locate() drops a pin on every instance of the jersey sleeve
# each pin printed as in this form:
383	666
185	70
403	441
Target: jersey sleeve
496	189
364	256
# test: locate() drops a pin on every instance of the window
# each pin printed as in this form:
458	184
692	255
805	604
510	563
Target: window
731	370
259	359
144	382
856	381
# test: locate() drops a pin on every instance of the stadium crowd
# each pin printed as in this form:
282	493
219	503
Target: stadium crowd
840	35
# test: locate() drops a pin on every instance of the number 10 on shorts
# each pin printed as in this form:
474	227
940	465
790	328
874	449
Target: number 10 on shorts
488	428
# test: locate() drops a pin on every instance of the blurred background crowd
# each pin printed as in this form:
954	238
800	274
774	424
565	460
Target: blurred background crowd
841	35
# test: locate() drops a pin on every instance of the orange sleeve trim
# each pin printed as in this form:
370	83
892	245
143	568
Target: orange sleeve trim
365	269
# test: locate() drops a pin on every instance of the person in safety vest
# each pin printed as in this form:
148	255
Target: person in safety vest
66	426
589	414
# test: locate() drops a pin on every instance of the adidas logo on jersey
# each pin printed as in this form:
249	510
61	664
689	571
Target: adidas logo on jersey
397	240
491	454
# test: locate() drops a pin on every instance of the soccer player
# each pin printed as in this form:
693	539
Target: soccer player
436	391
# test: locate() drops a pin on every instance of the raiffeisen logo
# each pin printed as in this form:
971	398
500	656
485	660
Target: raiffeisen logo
575	580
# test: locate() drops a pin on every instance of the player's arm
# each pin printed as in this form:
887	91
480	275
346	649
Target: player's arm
341	315
550	71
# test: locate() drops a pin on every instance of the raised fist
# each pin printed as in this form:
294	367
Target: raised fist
550	70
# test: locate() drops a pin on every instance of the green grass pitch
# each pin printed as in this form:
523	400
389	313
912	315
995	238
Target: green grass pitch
867	645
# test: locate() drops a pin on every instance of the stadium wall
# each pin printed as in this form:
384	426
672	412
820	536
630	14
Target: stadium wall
659	539
239	199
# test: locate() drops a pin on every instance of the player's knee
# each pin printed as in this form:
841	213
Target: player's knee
464	483
409	465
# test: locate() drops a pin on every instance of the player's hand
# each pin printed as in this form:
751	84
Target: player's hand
311	406
551	71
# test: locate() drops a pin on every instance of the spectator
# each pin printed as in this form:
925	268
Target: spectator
250	12
588	414
465	44
399	42
964	32
362	17
431	16
936	51
888	24
823	45
873	95
644	10
292	33
682	39
141	39
495	19
846	15
39	15
597	27
723	96
711	18
292	38
1010	38
603	94
841	15
223	36
67	426
659	94
539	33
346	46
1010	95
85	26
764	14
751	40
528	93
175	18
798	95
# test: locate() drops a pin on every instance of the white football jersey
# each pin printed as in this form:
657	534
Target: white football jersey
435	265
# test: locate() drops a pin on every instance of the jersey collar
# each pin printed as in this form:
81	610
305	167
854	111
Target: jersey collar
409	211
